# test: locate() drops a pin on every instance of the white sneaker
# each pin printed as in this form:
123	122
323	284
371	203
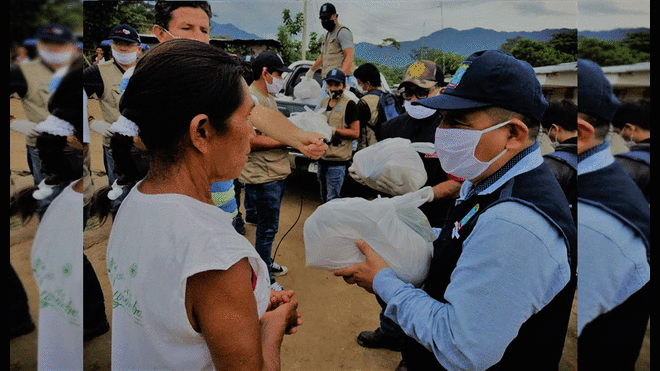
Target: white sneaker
275	286
276	270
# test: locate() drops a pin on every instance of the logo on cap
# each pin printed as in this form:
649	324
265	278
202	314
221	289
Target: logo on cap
417	69
459	74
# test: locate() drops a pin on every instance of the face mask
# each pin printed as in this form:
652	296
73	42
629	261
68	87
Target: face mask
55	58
276	86
361	89
328	25
417	112
124	58
335	94
455	149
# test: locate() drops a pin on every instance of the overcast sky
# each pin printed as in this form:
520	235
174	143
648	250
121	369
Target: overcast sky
404	20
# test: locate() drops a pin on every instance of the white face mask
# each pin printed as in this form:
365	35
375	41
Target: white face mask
275	86
124	58
416	111
55	58
455	149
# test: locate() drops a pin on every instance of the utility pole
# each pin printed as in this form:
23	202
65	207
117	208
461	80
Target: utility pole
305	41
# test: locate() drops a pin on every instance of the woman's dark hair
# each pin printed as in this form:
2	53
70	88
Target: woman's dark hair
164	10
176	81
368	73
561	113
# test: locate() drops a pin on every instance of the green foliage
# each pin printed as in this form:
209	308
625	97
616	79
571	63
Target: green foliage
101	16
610	53
291	49
26	17
539	54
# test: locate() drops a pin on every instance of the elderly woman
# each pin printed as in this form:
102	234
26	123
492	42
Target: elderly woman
189	292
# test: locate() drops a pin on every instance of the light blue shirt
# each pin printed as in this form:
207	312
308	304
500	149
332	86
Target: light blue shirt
612	262
513	264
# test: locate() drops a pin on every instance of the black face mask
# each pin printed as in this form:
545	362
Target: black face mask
335	94
328	25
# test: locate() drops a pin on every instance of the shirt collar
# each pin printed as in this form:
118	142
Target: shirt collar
526	160
595	158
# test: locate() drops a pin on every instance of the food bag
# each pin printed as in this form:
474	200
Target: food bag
312	122
391	166
394	227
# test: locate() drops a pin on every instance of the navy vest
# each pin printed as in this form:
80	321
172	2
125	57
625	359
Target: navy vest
540	341
611	189
618	333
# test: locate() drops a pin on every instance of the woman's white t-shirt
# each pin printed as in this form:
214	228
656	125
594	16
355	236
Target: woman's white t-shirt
156	243
57	265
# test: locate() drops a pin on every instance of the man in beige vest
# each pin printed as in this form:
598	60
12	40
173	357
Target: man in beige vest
103	82
265	173
343	118
337	50
31	82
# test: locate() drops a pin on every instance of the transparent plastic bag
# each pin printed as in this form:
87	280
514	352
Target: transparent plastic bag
394	227
312	122
307	88
391	166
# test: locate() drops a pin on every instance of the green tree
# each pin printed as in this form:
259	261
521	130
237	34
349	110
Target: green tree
538	53
640	41
291	49
101	16
609	53
565	42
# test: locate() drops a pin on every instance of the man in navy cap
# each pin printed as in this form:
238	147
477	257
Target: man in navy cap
30	82
501	284
343	118
337	50
103	82
614	237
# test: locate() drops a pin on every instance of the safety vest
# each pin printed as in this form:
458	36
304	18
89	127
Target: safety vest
35	102
342	151
333	55
367	133
268	165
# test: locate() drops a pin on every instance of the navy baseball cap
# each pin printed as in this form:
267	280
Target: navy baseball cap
492	78
124	32
54	32
336	75
327	10
271	61
595	95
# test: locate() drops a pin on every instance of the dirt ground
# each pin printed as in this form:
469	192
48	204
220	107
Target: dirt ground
333	312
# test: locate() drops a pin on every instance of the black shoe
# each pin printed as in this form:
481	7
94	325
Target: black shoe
22	329
376	339
89	334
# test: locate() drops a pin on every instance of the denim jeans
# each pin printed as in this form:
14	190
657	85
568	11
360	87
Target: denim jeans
267	199
109	164
34	163
331	178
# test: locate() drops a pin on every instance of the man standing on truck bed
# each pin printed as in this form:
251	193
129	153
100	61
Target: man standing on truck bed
337	50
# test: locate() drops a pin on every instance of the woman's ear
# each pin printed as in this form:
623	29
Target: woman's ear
199	132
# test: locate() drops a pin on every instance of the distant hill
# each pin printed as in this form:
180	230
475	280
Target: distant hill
228	30
467	42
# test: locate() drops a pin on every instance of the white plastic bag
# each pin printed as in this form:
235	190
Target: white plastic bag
394	227
391	166
312	122
307	88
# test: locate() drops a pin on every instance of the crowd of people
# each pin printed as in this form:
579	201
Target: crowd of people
188	129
